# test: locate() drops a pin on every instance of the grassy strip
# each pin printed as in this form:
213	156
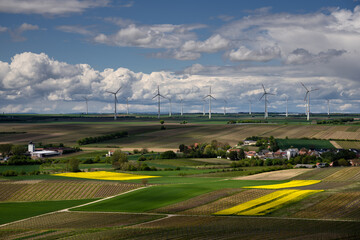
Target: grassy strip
13	211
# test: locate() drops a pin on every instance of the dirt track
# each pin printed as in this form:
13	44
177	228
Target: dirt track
276	175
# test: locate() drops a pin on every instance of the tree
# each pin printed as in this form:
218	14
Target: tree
232	155
241	154
168	155
118	159
182	147
74	165
5	149
162	122
18	149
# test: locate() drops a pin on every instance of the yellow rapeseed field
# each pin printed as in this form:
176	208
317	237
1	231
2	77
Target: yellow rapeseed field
103	175
294	183
267	203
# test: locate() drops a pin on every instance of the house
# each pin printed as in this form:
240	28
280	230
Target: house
355	162
249	142
304	166
250	154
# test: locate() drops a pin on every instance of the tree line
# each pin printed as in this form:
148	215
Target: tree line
89	140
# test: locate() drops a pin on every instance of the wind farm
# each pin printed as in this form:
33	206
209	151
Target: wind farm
177	119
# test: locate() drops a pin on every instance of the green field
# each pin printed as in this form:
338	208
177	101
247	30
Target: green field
20	168
304	143
13	211
159	196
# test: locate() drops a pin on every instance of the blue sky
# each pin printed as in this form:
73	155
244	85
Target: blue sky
55	52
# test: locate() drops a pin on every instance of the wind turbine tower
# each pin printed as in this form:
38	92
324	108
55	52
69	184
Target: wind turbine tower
307	98
204	107
159	96
225	103
210	97
87	109
115	100
182	109
250	107
328	105
287	113
169	106
266	115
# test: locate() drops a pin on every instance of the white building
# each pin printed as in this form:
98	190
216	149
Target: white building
42	153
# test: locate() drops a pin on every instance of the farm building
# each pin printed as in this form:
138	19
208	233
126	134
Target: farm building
43	153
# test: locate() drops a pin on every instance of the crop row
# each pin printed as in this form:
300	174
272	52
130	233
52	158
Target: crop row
80	220
227	202
338	205
61	190
345	174
267	203
291	184
197	201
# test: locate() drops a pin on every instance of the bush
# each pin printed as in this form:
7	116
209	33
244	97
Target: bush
168	155
74	165
142	158
9	173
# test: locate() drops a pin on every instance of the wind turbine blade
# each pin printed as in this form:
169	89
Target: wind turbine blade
313	90
262	96
306	96
304	86
155	96
263	88
212	97
109	92
118	90
116	99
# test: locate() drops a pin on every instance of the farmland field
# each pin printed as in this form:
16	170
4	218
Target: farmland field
306	143
180	202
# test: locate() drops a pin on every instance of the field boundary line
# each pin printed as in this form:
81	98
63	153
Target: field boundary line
168	215
335	144
67	209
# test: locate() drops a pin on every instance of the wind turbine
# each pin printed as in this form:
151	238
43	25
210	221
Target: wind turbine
127	105
250	102
169	106
225	103
307	97
204	107
210	97
287	113
266	101
86	100
159	96
328	105
181	102
115	100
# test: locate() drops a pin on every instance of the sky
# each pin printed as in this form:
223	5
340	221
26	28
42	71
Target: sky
54	53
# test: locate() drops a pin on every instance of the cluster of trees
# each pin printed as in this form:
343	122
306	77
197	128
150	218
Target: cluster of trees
247	121
204	150
236	155
265	143
13	173
340	158
89	140
335	121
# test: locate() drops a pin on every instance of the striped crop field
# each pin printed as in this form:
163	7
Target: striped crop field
81	220
291	184
267	203
227	202
343	205
197	201
61	190
345	174
104	175
317	174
